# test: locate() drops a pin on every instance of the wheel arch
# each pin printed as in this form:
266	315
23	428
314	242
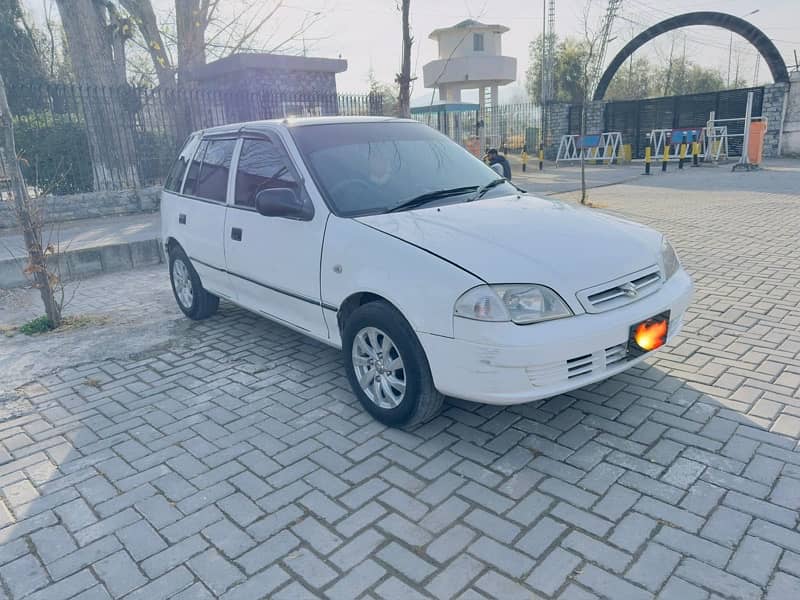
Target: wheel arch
171	243
356	299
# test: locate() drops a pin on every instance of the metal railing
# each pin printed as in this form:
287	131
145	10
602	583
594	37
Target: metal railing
76	139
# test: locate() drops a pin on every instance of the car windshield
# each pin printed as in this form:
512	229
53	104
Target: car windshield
372	167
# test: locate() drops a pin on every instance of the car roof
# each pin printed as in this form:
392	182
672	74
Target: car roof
292	122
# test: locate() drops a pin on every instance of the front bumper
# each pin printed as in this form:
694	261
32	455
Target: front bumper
504	363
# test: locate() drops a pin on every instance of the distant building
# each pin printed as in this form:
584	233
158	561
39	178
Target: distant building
275	73
254	86
470	57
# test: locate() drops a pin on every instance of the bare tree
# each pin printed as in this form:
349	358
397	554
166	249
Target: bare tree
403	78
198	29
44	278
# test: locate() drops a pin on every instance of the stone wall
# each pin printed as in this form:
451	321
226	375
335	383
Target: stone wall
773	109
595	113
277	81
790	141
58	209
558	118
559	124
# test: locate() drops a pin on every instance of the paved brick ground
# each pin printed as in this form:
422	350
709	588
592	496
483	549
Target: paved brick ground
234	461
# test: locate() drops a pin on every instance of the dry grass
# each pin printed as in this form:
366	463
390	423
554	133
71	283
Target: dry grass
69	323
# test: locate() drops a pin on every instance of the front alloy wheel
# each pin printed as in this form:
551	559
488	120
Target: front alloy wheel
379	368
387	366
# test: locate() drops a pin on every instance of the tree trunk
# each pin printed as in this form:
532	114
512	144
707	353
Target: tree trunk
95	51
404	78
29	221
191	21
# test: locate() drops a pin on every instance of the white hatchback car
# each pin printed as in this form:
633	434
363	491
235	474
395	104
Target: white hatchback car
437	278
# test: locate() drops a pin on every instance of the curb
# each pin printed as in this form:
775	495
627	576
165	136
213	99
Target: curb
78	264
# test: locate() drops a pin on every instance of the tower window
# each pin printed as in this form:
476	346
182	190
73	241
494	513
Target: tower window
477	42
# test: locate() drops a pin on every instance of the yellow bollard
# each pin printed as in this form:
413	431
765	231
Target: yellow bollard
666	159
647	159
682	155
524	158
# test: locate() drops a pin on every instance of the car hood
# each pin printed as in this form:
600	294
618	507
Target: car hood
525	239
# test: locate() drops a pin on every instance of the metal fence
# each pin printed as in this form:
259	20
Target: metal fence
76	139
509	126
635	119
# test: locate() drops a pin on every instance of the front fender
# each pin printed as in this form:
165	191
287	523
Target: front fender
423	287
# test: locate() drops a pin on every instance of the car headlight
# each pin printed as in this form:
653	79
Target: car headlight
669	259
521	303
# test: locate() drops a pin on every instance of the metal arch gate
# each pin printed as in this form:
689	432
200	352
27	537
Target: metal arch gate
635	119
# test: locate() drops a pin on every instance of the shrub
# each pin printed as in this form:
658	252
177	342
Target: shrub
54	149
38	325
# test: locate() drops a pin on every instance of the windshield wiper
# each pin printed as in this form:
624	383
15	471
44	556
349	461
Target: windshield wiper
430	196
485	188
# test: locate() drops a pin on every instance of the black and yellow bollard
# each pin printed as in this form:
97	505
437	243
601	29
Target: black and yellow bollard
682	154
524	158
666	158
647	159
541	157
695	154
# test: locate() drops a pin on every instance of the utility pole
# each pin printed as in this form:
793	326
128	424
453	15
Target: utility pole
542	78
730	49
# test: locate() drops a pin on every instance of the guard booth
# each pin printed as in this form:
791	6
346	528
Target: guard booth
457	120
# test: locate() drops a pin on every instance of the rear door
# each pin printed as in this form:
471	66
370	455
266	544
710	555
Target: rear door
274	262
202	212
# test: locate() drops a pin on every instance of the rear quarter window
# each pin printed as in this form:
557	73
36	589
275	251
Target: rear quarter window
174	179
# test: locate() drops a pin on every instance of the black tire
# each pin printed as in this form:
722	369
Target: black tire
421	401
204	303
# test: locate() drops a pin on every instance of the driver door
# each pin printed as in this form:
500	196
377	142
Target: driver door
274	262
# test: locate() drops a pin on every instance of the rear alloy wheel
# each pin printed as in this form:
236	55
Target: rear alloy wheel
387	367
192	298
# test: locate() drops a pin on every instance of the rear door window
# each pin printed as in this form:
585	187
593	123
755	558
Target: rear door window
208	173
174	179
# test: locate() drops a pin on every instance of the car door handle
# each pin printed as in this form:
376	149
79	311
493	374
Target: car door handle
236	234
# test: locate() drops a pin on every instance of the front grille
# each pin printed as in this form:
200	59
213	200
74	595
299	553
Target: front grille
621	292
581	365
578	367
616	354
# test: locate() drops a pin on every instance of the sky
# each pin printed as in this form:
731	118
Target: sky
368	32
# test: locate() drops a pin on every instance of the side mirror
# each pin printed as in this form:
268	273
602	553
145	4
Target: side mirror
282	202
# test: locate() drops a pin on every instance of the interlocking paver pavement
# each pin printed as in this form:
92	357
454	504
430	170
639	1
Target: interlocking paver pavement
231	460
